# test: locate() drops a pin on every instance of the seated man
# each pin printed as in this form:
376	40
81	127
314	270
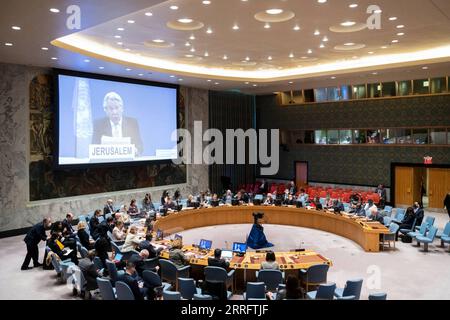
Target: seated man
89	270
138	260
147	245
108	207
136	286
67	225
269	200
375	215
217	261
338	206
55	244
289	201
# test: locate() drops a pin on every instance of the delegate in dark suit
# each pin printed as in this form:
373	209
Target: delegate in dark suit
447	203
32	239
133	284
217	262
130	128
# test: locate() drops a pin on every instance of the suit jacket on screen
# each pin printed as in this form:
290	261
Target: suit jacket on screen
130	128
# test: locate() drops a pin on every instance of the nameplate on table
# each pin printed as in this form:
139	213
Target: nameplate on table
112	151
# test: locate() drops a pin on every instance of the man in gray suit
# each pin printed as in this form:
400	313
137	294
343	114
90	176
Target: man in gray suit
115	125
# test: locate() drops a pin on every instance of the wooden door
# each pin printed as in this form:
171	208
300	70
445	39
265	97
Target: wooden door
439	186
301	174
404	186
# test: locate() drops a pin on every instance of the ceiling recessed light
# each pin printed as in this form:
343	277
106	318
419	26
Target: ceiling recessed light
322	45
349	44
235	27
393	18
348	24
255	85
206	54
378	11
371	52
317	33
394	41
216	83
128	69
267	25
384	47
131	21
188	55
247	58
274	11
321	1
374	73
401	34
209	31
17	28
173	8
192	49
269	58
425	68
325	39
54	10
310	51
332	78
172	76
158	41
87	60
209	80
225	57
101	68
120	29
149	14
290	82
400	26
192	37
353	5
44	48
291	55
187	44
119	43
180	79
54	58
140	74
8	44
206	2
117	36
296	27
185	20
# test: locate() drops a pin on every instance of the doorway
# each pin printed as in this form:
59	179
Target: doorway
421	183
301	174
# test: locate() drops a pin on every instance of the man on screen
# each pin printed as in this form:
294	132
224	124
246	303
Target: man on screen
115	125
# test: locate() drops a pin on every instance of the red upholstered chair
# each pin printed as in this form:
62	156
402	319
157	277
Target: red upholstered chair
346	197
323	194
273	188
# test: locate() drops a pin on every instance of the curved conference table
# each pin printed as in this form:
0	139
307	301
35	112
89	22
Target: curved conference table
360	230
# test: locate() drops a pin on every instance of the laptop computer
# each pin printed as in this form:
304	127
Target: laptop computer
227	254
205	244
118	257
239	247
177	236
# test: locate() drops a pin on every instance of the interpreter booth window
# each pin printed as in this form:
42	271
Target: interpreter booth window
359	136
304	137
373	136
374	90
345	136
333	136
422	86
387	136
359	91
320	136
333	94
345	92
405	88
309	95
321	94
438	136
404	136
420	136
389	89
438	85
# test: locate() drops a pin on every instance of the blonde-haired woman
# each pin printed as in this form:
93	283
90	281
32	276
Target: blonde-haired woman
84	236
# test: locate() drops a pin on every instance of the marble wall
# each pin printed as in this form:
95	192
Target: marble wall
17	209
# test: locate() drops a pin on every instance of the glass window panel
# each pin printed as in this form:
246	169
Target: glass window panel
345	136
373	136
321	94
333	136
389	89
359	91
422	86
309	136
320	136
404	88
404	136
448	136
420	136
438	85
387	136
374	90
333	94
346	92
359	136
438	136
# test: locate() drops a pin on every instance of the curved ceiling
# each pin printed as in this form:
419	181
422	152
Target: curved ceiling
229	40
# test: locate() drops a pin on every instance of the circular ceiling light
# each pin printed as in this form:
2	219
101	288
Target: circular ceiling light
349	47
185	24
274	15
348	24
274	11
158	43
358	26
244	63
